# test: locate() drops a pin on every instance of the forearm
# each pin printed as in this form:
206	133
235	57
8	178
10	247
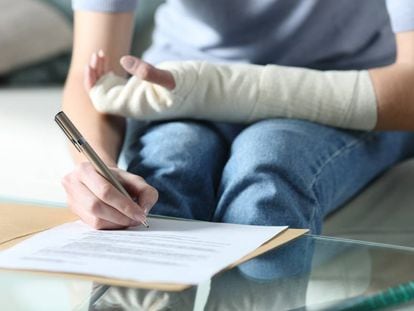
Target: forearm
394	88
244	93
93	31
103	132
90	195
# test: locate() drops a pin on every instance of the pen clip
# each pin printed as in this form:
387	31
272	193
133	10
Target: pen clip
67	133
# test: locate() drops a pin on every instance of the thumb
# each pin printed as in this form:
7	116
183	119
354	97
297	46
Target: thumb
147	72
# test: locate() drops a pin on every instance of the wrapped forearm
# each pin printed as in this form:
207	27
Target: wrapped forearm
244	93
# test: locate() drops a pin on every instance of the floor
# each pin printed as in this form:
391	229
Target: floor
33	155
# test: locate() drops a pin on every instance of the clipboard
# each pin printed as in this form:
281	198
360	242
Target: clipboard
20	221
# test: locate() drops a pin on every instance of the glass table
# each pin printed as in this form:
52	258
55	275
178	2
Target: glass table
309	273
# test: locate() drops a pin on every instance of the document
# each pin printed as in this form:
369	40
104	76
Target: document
170	251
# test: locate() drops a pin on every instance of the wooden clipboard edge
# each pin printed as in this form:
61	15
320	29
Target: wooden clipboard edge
31	219
282	238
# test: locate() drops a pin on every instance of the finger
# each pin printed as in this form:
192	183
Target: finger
92	211
92	76
94	62
73	192
148	72
107	193
101	224
146	195
89	78
100	64
93	208
102	55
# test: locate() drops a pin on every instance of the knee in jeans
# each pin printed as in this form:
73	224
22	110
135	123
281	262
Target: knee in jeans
183	132
196	142
271	167
176	145
270	144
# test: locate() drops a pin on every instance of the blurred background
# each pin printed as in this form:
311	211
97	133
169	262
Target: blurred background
35	52
36	39
35	48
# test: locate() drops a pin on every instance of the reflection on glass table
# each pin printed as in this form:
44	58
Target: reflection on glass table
310	273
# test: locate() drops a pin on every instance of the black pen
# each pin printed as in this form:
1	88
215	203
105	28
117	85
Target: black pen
82	146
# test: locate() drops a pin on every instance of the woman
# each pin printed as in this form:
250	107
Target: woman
271	172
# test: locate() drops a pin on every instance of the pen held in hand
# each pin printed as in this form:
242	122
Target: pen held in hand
83	146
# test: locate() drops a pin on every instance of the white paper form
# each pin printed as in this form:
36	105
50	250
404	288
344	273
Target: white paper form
170	251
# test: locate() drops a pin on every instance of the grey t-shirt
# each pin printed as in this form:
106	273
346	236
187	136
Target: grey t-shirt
321	34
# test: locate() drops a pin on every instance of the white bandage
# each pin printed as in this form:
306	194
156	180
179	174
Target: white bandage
244	93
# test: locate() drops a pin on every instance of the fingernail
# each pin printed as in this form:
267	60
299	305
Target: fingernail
128	62
147	208
101	53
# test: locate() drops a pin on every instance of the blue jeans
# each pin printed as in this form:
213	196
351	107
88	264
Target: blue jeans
273	172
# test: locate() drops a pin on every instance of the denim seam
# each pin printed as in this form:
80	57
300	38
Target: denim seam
313	216
335	155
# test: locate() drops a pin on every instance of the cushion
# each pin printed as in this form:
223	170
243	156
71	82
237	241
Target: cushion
53	70
30	31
